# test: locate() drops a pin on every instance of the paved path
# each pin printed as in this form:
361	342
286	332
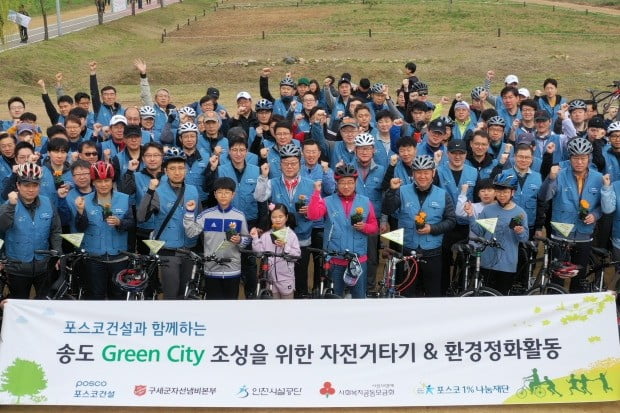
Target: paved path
72	21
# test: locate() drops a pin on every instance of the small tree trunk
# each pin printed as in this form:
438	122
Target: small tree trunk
133	7
46	33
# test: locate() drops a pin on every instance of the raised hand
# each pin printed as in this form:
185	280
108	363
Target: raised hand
153	184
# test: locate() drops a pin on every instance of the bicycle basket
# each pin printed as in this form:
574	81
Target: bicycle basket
131	280
353	272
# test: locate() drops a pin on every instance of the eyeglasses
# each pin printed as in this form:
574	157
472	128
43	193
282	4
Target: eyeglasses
89	153
152	155
176	169
283	134
82	174
289	164
224	192
16	107
238	150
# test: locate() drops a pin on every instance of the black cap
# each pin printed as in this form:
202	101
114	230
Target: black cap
597	122
132	130
541	115
437	125
344	80
365	83
457	145
213	92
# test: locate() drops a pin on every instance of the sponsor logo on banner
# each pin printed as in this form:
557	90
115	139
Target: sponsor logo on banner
139	390
327	389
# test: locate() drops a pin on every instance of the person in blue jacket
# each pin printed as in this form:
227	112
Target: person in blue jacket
105	106
426	212
576	193
29	223
500	264
104	216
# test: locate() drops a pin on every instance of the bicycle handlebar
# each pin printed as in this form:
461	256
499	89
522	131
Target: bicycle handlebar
58	254
131	255
346	254
493	243
197	257
412	255
261	254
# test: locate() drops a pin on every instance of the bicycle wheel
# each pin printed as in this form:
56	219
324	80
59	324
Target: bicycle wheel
329	293
265	294
481	292
548	289
522	393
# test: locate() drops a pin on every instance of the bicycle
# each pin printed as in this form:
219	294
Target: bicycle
607	97
459	277
479	289
140	280
600	260
66	286
264	288
524	390
321	291
544	284
388	288
195	288
526	276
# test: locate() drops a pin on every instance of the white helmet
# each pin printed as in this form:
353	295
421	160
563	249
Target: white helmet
188	127
364	139
147	112
186	110
613	127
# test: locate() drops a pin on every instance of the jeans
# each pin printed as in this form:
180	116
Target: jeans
357	291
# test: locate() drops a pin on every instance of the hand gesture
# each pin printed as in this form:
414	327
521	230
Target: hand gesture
59	78
538	92
74	156
483	95
293	105
606	180
550	147
340	114
399	122
384	227
107	153
133	165
490	74
444	100
113	221
93	67
264	152
518	229
265	72
468	208
190	205
254	232
34	158
318	185
327	82
63	191
259	131
425	230
508	148
97	128
325	166
153	184
393	160
395	183
235	239
223	114
140	65
555	169
516	123
79	204
214	161
13	198
458	97
41	83
437	157
264	169
359	225
464	189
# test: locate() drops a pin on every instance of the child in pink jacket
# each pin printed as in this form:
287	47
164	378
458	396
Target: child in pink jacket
281	272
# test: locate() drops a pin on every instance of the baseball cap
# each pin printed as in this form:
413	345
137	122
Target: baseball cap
348	122
524	92
344	80
437	125
511	79
213	92
211	116
541	115
118	119
526	138
461	105
597	122
303	81
26	127
457	145
132	130
244	95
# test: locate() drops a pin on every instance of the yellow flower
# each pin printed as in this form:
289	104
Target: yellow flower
57	173
584	204
232	225
359	210
302	197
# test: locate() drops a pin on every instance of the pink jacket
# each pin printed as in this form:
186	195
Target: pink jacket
281	272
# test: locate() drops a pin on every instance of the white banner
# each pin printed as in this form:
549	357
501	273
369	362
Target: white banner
119	5
18	18
308	353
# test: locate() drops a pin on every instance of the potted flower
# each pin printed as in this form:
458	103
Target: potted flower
107	211
584	209
420	220
358	216
300	203
231	231
516	221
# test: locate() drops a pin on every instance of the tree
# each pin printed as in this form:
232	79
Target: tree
44	14
100	10
23	378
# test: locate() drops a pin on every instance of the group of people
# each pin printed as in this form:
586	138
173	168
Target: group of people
329	166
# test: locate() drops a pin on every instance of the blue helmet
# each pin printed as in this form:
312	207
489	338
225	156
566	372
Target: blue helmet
506	179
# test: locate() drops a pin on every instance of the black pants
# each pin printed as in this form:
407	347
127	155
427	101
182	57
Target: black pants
222	288
500	280
175	271
249	269
316	241
459	233
20	285
301	273
23	34
428	281
98	278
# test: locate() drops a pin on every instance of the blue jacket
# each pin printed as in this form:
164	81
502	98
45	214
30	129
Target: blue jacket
566	201
244	194
456	131
541	147
99	237
279	194
612	163
27	234
610	201
48	184
5	172
469	176
526	195
434	206
339	234
543	104
106	113
174	233
371	186
142	181
196	173
340	153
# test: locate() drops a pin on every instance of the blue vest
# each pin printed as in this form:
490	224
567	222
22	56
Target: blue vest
244	194
109	144
339	234
340	153
615	233
434	206
273	158
541	148
543	104
280	108
196	174
456	131
161	118
401	172
99	237
381	157
142	182
469	176
105	114
526	196
485	172
205	145
279	194
27	234
48	184
371	186
123	162
5	172
174	233
565	205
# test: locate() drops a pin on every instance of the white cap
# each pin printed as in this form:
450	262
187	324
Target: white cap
461	105
118	119
244	95
524	92
511	79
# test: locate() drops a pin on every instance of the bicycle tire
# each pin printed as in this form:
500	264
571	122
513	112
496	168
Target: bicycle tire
481	292
549	289
265	295
329	294
522	393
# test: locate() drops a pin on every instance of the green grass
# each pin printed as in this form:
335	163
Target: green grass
453	46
